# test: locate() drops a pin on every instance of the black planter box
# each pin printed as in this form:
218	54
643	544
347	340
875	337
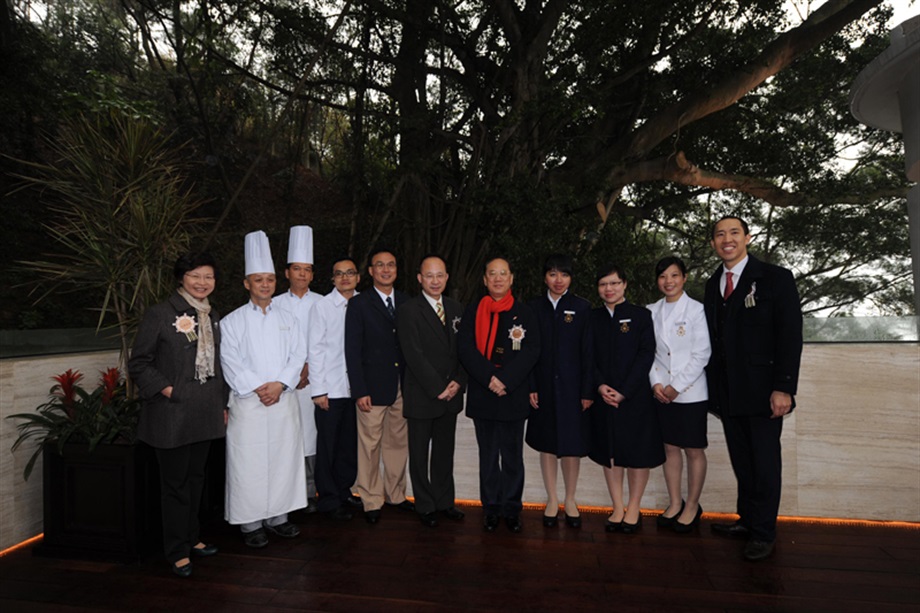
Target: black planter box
100	505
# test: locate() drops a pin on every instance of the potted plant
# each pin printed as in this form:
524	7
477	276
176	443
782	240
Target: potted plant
99	488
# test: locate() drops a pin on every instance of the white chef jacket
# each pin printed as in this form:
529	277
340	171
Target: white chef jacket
328	373
301	308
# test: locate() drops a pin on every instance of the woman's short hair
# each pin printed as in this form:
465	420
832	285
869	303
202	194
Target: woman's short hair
190	261
560	262
665	263
611	269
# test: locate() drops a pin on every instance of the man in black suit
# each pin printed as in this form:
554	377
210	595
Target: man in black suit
499	344
755	327
375	367
433	390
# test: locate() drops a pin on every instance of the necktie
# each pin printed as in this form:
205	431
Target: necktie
729	286
390	307
439	309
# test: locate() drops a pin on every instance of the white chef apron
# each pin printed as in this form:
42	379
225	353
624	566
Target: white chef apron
265	469
307	420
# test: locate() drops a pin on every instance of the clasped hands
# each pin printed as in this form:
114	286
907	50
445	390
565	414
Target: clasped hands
610	396
450	391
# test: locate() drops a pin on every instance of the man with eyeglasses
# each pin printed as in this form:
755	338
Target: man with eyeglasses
375	367
299	301
433	390
336	446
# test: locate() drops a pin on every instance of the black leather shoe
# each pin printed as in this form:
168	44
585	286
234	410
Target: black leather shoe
287	530
354	501
755	550
490	523
453	513
735	530
340	514
405	505
514	523
611	526
573	521
627	528
687	528
182	571
204	552
668	522
372	517
256	539
312	506
550	521
429	519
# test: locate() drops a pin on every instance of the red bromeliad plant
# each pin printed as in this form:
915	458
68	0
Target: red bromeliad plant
72	414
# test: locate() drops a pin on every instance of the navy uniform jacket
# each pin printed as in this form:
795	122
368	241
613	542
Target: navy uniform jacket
372	355
564	375
512	367
758	349
432	362
624	351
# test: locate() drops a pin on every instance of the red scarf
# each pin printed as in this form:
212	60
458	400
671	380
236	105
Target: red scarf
487	322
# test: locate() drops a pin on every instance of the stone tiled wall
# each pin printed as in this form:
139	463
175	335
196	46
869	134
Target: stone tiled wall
851	449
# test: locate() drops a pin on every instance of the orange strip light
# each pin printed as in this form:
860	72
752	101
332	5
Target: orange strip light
22	545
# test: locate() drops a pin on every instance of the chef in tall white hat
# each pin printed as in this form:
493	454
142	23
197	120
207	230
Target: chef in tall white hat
299	301
262	354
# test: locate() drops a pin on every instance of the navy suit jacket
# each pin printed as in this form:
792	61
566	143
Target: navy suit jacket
758	348
372	354
511	366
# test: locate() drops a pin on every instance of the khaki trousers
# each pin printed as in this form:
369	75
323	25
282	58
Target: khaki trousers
382	435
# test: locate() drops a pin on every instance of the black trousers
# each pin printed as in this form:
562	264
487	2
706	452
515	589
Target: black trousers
756	456
182	476
501	466
336	452
431	461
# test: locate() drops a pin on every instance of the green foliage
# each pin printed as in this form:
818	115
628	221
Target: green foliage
120	212
72	414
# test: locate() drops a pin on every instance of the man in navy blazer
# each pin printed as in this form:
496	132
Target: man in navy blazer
375	367
433	390
755	328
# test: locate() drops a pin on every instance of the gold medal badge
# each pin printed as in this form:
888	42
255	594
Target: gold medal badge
624	325
516	334
681	331
569	316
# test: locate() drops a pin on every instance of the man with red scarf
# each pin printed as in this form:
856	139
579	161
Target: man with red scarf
499	344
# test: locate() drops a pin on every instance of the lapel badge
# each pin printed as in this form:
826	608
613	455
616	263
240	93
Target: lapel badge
569	316
624	325
681	331
749	301
455	324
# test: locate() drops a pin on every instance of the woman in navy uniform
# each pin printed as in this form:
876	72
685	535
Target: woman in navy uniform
678	382
627	438
561	387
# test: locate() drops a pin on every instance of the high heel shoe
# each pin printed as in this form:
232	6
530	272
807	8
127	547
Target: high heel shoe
627	528
685	528
550	521
573	521
668	522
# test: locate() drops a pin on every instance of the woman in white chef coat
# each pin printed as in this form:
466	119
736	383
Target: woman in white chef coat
678	382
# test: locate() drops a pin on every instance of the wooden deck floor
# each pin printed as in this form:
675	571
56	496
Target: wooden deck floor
400	565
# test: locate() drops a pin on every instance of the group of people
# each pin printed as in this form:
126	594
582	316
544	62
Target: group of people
323	396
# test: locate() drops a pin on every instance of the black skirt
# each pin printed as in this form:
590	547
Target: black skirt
684	424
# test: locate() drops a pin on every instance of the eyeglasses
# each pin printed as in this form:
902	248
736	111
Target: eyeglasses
610	283
383	265
338	274
434	276
498	273
199	278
